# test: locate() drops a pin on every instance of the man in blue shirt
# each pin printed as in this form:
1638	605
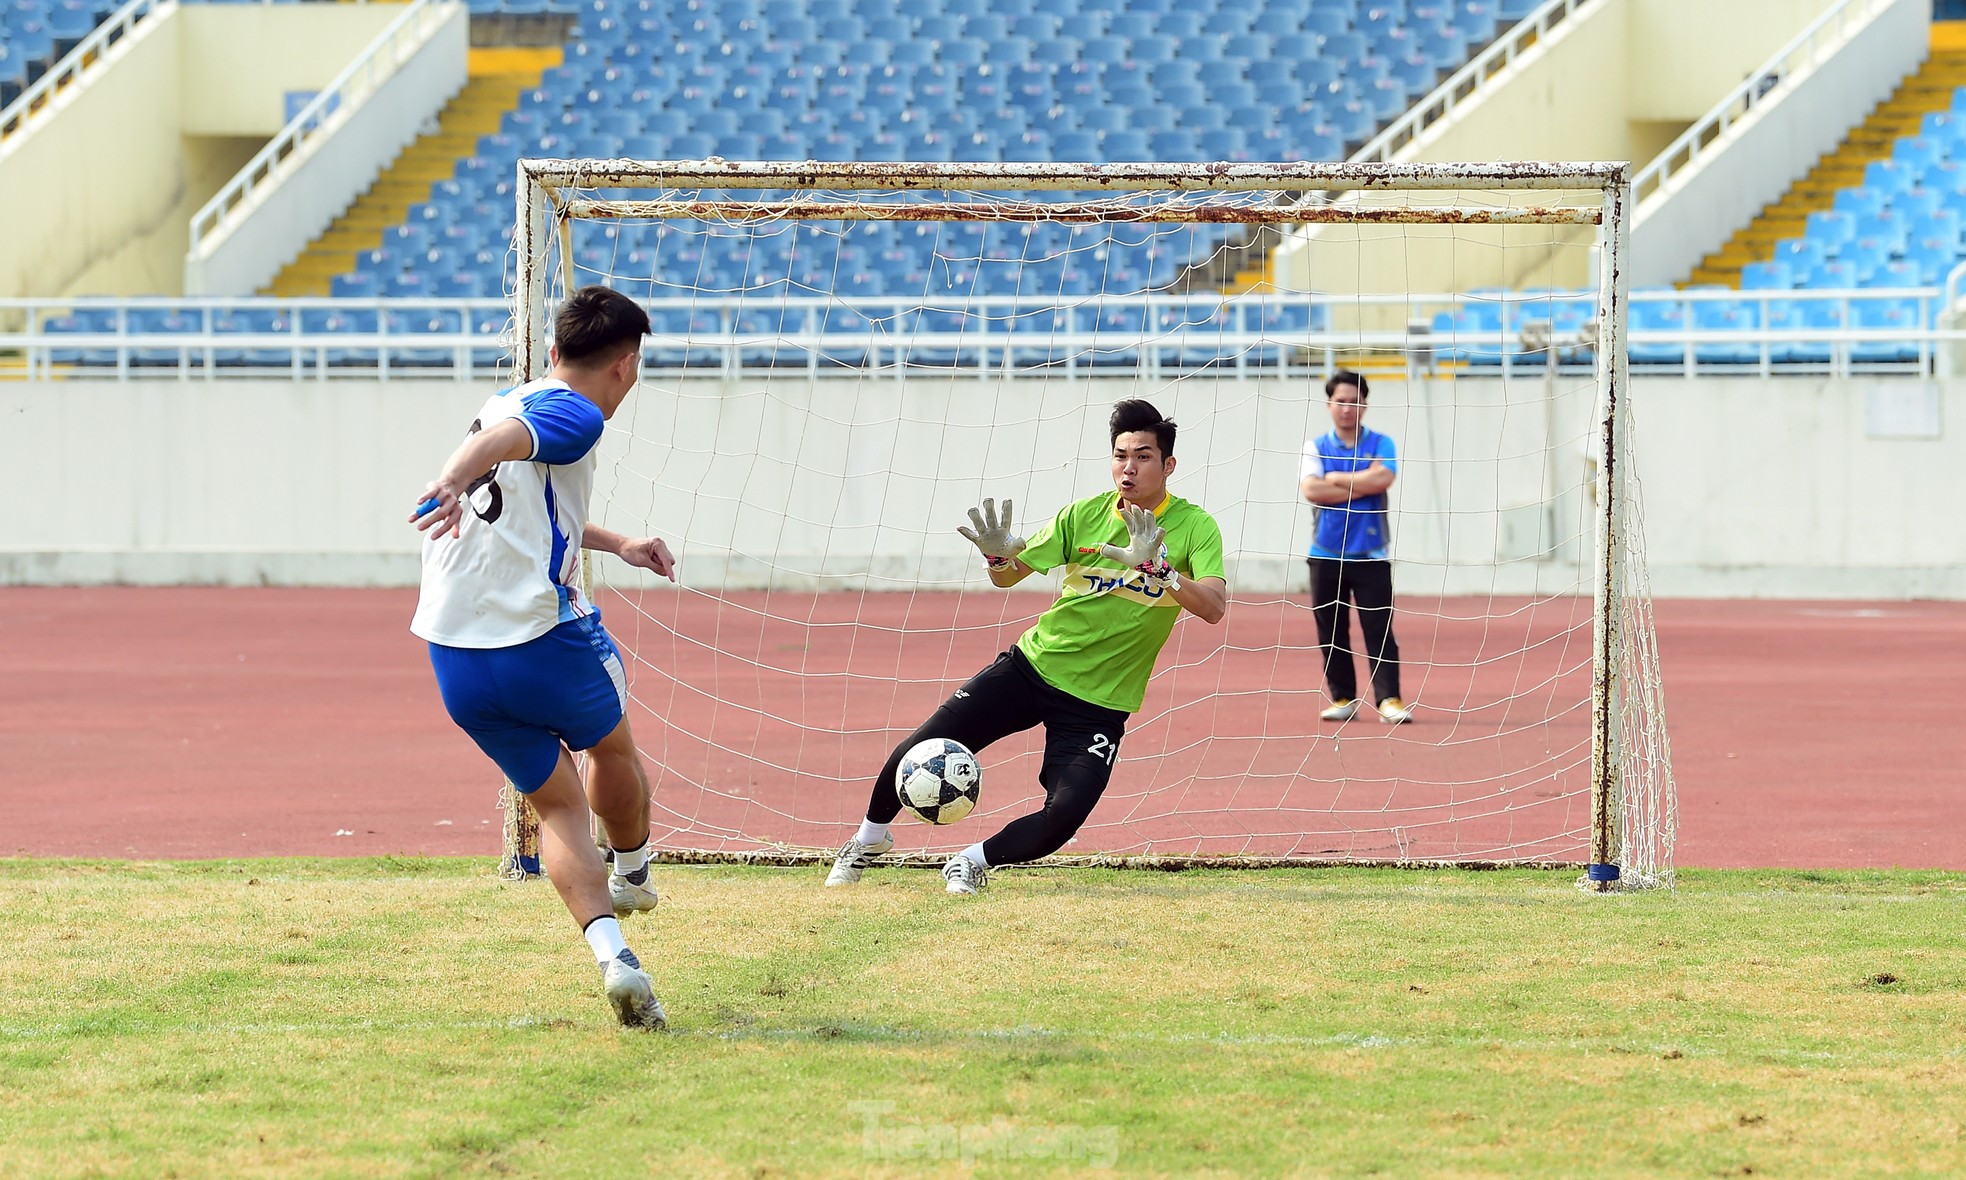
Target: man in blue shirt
1346	474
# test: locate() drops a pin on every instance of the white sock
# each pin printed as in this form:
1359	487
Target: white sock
604	935
975	853
629	860
871	833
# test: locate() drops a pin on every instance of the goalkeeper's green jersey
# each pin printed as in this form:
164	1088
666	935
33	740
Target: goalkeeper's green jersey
1100	639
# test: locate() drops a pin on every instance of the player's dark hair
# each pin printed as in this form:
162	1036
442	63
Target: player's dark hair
1347	377
1134	414
595	322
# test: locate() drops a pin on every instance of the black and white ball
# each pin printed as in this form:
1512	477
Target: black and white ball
938	781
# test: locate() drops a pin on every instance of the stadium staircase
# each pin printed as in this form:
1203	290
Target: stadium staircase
1930	89
497	77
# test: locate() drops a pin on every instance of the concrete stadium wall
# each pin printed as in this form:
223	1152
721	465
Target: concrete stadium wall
98	196
1619	80
1782	488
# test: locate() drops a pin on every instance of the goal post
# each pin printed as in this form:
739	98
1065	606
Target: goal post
648	223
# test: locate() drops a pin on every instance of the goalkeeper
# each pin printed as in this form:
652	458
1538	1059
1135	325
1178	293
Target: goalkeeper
1134	558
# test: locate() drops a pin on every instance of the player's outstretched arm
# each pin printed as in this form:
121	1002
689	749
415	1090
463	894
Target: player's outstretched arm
442	505
999	546
649	553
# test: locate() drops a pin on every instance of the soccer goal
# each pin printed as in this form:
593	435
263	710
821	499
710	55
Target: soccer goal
848	357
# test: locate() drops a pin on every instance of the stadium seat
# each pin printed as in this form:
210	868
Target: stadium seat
1726	315
1795	315
1831	228
1657	315
1898	316
1764	276
1859	202
1832	275
877	80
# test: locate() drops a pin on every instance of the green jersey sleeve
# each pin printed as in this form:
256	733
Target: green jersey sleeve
1048	547
1203	558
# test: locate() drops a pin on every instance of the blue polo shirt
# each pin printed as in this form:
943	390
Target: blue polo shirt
1356	531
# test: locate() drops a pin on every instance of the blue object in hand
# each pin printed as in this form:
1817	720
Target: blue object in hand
428	506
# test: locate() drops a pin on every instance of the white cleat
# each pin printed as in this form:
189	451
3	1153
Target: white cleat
853	860
964	876
1393	711
630	898
631	994
1340	711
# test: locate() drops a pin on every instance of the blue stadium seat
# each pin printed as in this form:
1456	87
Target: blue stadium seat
1326	22
1887	176
1657	316
423	322
1831	228
1765	276
1726	315
1943	127
1916	152
253	322
1859	202
1800	254
1795	315
1833	276
1892	315
860	79
88	321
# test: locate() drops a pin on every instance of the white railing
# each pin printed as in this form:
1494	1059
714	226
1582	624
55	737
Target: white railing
370	69
1236	336
1814	44
70	67
1471	81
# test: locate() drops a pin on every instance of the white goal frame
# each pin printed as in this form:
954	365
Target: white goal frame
551	194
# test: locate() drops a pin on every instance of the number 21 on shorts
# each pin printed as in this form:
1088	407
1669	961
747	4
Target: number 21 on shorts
1103	747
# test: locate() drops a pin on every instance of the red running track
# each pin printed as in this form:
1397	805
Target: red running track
192	722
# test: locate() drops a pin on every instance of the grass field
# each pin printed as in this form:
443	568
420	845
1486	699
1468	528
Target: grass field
415	1018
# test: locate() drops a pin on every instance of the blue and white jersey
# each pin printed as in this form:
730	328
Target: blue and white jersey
1356	531
510	575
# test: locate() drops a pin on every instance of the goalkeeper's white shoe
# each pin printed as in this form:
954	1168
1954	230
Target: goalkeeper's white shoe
853	860
631	993
630	898
1340	711
964	876
1393	711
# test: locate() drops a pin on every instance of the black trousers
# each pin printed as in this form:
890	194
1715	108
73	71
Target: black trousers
1081	744
1369	586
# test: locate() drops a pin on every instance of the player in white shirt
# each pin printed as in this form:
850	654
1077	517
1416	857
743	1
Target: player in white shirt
521	658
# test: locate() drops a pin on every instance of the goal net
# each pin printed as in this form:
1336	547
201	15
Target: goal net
846	358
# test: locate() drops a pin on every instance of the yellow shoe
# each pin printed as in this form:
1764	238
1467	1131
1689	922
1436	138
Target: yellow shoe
1393	711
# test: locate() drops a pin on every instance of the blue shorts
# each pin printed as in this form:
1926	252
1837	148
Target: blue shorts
519	703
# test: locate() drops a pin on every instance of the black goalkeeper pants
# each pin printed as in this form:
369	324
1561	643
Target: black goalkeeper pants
1369	585
1081	743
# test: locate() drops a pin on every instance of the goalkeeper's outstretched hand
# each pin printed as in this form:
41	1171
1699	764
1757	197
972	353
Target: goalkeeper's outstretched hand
992	535
1143	550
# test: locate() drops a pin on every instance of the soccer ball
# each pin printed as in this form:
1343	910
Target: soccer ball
938	781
